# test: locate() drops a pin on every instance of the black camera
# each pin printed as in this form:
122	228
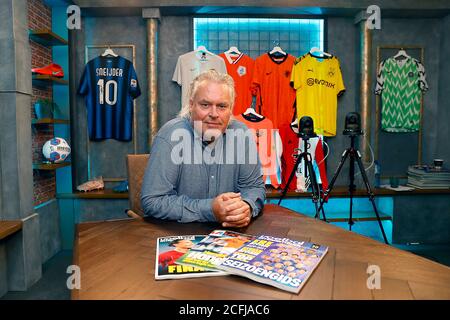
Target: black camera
353	124
306	127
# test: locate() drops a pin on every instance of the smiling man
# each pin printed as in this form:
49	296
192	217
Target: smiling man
205	187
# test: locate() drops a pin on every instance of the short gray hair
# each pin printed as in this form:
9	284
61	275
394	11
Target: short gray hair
213	76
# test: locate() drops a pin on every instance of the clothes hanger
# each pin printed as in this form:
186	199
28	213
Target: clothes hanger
232	54
251	111
233	50
322	54
109	52
203	50
401	53
294	126
277	51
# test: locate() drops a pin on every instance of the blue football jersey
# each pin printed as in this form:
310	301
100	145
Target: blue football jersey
109	85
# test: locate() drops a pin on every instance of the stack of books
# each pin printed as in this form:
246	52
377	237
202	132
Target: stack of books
428	177
280	262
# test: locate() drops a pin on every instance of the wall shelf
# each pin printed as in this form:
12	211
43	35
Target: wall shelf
45	80
8	227
96	194
356	216
342	192
49	166
49	121
47	38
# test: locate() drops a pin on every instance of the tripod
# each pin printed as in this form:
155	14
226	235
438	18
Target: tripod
354	156
306	156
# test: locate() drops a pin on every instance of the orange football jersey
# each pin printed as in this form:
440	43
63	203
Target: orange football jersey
269	147
240	68
271	84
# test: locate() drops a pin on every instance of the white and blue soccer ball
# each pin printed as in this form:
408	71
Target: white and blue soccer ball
56	150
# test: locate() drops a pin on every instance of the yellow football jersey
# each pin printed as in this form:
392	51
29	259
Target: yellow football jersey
318	83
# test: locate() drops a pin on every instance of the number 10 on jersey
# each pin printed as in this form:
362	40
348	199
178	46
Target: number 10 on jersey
104	91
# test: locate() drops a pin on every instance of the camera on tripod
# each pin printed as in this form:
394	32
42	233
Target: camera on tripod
353	129
352	124
306	128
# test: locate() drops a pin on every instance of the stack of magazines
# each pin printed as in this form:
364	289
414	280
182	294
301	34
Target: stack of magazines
428	177
279	262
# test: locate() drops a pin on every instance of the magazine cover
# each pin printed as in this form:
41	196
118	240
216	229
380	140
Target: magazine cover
279	262
169	249
210	252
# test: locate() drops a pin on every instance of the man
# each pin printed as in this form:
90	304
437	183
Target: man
214	173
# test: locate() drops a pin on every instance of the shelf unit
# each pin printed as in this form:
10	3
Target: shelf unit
48	38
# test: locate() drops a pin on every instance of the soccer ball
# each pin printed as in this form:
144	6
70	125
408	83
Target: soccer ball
56	150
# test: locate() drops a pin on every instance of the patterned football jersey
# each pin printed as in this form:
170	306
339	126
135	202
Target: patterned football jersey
318	83
109	85
292	147
400	84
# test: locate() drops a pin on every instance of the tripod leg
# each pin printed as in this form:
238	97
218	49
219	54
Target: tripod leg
291	176
352	186
371	194
323	214
333	180
315	188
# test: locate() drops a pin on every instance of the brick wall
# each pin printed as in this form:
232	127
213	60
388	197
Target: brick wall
40	17
44	186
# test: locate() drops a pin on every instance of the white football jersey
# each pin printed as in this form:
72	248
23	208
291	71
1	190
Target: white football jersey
190	65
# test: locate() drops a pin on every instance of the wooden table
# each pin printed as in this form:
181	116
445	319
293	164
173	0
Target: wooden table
117	261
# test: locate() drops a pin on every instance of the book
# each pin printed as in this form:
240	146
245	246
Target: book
280	262
428	177
210	251
427	187
169	249
424	169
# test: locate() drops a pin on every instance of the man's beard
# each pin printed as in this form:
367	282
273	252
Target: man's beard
209	135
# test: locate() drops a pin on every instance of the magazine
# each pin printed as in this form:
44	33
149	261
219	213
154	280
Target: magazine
279	262
169	249
210	252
